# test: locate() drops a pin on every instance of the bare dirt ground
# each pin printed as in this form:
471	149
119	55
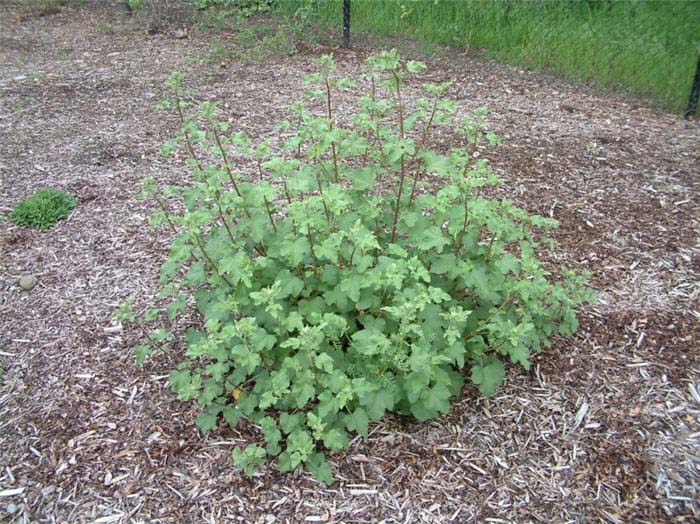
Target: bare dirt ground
606	426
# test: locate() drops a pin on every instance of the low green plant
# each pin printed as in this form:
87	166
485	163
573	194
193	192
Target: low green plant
220	51
357	269
50	7
256	42
43	209
105	27
214	20
302	25
243	8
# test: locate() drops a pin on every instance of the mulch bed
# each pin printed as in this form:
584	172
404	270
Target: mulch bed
605	427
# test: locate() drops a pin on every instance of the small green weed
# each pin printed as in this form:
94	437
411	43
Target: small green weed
43	209
220	51
105	27
257	40
213	20
244	8
252	43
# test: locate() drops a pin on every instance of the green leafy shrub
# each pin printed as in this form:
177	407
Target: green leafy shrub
354	270
43	209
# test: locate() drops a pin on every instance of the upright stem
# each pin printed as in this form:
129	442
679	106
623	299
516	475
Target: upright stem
352	255
325	207
397	79
267	202
399	193
211	262
375	129
225	159
330	128
299	144
414	188
460	242
488	250
223	219
426	128
424	137
269	214
188	140
286	191
161	204
320	190
311	246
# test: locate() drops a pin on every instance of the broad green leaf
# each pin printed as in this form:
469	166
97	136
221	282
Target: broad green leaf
177	307
249	459
377	403
294	322
488	376
363	178
289	422
324	362
196	274
415	384
272	435
335	439
141	352
302	392
456	352
438	398
206	422
414	66
231	415
319	468
357	421
300	441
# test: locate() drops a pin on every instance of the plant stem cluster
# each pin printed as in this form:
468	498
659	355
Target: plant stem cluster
334	281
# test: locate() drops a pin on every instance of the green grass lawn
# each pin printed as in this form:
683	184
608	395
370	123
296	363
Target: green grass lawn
644	47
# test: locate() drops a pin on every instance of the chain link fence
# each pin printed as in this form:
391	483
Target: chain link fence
648	48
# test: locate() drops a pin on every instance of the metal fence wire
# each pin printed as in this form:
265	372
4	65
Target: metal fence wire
648	48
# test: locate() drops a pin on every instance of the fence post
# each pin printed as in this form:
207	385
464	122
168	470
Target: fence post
694	93
346	24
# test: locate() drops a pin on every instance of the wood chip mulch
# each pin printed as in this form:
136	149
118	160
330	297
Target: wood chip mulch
605	427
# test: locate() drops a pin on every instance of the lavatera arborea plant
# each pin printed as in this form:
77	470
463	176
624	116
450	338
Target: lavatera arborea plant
352	269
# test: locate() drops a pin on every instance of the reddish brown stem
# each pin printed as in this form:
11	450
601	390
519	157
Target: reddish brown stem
188	140
399	193
211	262
330	128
